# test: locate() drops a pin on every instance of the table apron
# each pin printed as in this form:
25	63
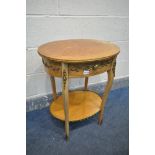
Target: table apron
79	69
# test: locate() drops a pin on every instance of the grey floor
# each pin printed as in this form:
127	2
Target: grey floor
45	134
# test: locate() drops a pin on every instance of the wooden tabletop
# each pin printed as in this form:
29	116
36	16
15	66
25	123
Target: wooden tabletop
78	50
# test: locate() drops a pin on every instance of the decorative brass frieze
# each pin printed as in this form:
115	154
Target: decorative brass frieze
90	66
52	65
79	69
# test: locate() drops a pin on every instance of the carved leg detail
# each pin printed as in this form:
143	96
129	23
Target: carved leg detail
53	87
105	95
86	83
65	97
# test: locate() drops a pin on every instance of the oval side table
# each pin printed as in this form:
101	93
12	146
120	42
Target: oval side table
78	58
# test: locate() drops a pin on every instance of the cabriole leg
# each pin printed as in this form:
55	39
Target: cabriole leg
86	83
105	95
53	87
65	97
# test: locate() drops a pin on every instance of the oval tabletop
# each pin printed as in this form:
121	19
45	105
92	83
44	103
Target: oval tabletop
78	50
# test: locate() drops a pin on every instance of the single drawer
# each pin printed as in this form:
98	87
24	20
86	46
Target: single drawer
78	69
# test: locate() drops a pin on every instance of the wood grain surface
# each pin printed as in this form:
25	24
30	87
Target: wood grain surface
78	50
82	104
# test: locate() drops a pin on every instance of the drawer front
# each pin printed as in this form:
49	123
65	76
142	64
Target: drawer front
79	69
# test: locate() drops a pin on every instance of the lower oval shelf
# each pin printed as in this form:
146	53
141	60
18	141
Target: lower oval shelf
82	104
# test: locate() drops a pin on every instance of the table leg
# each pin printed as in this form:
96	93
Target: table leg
65	97
105	95
53	87
86	83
